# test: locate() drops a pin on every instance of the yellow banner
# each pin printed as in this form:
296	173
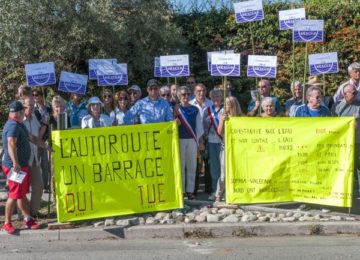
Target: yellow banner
115	171
290	159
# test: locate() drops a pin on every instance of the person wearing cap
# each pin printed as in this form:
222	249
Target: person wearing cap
354	73
264	88
15	165
135	94
151	109
292	103
314	106
95	118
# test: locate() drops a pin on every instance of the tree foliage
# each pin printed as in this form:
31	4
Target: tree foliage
216	29
73	31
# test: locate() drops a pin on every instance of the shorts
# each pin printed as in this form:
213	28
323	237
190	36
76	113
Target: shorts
18	190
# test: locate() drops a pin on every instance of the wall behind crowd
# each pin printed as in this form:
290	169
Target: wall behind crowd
36	31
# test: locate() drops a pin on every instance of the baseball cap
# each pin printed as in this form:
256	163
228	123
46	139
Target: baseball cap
135	88
153	82
16	106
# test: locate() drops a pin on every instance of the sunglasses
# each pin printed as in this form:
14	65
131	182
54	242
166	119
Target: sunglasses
165	95
190	82
123	98
185	94
36	94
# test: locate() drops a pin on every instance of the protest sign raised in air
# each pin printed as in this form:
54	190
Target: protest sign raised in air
112	74
94	63
174	66
112	171
225	64
308	31
40	74
262	66
73	83
323	63
248	11
287	17
210	53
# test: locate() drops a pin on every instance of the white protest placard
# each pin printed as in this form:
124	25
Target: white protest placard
112	74
94	63
17	176
249	11
225	64
157	72
308	31
262	66
287	17
174	65
73	82
323	63
210	53
40	74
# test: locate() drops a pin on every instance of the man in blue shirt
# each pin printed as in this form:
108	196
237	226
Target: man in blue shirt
314	106
151	109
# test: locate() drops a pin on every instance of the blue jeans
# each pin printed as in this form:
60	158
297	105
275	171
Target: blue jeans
214	163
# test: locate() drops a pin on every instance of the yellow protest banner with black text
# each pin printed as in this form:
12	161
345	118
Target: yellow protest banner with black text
307	160
114	171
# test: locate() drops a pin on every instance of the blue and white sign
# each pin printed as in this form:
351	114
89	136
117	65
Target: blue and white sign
174	66
308	31
249	11
287	17
73	82
262	66
225	64
209	54
157	71
94	63
40	74
112	74
323	63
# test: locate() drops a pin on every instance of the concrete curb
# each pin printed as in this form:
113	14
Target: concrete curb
188	231
218	230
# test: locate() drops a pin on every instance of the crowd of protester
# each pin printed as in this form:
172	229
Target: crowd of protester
26	134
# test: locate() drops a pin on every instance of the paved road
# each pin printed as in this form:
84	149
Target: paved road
317	247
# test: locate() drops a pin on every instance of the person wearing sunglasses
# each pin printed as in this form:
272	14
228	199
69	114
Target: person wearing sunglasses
164	93
122	103
314	106
191	129
151	109
135	94
108	101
